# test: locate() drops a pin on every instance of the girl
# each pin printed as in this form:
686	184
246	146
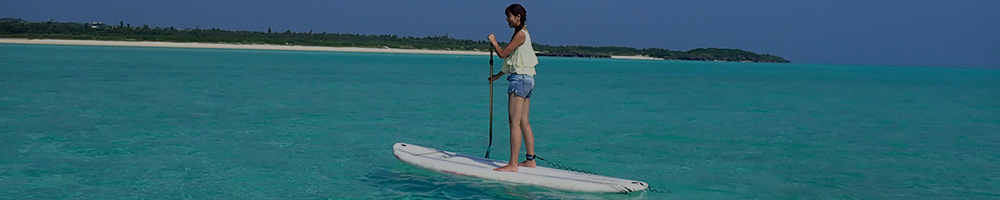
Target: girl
519	62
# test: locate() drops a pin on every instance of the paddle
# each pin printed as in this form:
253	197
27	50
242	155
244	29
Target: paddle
490	147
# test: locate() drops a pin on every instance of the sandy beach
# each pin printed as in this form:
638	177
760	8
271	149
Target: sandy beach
636	57
231	46
256	46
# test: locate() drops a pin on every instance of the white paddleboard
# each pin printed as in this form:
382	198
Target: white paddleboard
458	164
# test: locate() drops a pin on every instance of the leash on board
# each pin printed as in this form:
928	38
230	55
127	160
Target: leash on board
654	190
490	147
562	167
649	188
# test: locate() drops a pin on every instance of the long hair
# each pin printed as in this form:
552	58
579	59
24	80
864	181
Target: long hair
517	9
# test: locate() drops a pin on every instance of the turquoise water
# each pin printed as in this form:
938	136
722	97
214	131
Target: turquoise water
81	122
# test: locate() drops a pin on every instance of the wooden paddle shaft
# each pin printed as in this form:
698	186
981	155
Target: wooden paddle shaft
488	148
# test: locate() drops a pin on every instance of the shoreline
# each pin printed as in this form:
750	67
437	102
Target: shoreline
232	46
258	47
636	58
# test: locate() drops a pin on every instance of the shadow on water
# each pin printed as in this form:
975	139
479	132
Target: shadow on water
406	182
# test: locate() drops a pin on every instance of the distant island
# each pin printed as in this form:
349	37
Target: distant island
18	28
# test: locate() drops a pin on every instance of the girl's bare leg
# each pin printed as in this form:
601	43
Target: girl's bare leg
529	138
514	105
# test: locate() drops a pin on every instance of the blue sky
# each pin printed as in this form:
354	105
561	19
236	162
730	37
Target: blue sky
961	33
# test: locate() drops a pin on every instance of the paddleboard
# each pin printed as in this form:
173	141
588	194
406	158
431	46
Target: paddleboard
458	164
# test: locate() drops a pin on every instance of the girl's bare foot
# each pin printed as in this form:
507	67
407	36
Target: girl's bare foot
528	163
507	168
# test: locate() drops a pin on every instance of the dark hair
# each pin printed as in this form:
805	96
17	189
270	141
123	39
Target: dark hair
517	9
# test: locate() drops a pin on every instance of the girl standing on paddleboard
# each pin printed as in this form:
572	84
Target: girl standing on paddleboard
519	62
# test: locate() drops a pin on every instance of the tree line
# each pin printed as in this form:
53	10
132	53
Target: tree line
18	28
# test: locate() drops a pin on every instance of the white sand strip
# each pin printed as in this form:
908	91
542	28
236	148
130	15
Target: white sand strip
636	57
233	46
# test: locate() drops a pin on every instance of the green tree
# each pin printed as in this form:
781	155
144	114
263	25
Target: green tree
12	27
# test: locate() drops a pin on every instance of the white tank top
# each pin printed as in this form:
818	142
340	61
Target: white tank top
522	60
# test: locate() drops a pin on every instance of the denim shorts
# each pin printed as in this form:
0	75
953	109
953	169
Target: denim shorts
521	85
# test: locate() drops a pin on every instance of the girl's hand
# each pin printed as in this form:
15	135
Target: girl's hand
495	77
492	38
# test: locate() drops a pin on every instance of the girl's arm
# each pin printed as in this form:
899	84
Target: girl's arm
515	42
496	76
